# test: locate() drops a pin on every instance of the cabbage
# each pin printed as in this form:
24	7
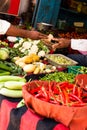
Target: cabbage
4	54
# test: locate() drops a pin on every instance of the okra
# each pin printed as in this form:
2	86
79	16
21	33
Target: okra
5	67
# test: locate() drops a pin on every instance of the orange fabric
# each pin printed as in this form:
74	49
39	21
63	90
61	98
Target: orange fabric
79	121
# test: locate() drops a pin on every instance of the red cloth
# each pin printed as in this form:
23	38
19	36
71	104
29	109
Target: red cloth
14	7
12	118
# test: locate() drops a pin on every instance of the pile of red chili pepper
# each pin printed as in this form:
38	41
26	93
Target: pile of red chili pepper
61	93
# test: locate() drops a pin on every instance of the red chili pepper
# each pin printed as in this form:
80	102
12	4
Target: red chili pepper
79	92
55	90
61	95
53	98
84	100
42	94
54	101
38	95
74	89
43	89
51	93
77	104
66	97
70	86
35	90
63	84
75	97
84	94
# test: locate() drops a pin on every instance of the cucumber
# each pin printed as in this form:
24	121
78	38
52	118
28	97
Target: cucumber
16	85
1	84
11	78
11	93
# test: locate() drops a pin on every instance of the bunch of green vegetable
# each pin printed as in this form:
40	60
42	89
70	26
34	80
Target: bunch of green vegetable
13	52
28	46
82	69
7	67
59	76
3	43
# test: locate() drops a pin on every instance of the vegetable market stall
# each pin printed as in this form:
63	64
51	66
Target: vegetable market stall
21	118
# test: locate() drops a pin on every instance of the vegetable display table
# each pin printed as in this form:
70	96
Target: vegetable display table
13	118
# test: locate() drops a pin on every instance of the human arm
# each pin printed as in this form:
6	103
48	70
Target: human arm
11	30
75	44
14	31
61	43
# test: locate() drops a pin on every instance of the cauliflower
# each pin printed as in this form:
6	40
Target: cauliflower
41	53
35	42
21	41
34	49
32	52
23	50
26	45
16	45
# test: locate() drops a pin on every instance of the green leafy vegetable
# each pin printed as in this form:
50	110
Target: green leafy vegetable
59	76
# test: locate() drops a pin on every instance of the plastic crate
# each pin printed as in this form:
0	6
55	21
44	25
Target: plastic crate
74	69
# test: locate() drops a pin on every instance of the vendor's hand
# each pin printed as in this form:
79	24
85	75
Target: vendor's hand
35	35
60	43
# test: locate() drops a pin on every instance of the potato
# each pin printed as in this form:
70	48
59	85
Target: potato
37	70
29	68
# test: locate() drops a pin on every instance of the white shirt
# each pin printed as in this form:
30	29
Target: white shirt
80	45
4	26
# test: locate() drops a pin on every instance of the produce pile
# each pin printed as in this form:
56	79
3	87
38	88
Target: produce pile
59	77
60	93
74	35
11	86
10	68
28	46
23	56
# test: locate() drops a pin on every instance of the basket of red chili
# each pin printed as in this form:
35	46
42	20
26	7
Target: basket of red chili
62	101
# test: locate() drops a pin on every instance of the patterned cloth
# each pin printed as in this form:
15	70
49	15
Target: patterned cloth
13	118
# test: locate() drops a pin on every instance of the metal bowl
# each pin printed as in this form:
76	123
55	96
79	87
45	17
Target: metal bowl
44	26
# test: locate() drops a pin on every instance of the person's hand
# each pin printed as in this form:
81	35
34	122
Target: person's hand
35	35
60	43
